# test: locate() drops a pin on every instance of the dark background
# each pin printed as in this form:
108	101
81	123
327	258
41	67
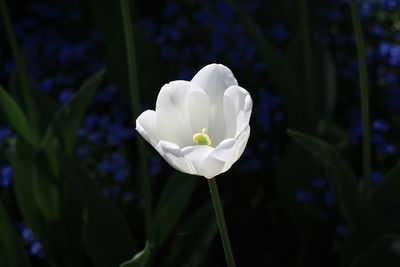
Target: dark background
298	61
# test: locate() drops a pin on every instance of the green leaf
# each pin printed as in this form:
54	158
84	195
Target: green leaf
45	189
23	163
173	201
384	252
140	259
12	252
342	179
307	105
47	108
16	117
295	171
106	234
49	145
71	115
350	247
385	203
192	242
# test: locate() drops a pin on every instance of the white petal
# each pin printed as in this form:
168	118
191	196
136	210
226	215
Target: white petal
211	167
237	110
224	155
196	155
174	156
146	125
181	106
198	109
214	79
237	149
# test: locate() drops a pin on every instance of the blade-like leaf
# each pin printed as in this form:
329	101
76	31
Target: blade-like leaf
173	201
47	109
342	179
71	115
384	252
45	189
385	203
12	252
192	242
140	259
16	118
23	168
105	231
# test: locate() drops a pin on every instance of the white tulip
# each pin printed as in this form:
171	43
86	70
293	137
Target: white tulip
200	127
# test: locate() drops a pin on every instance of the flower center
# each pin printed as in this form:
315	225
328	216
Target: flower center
202	138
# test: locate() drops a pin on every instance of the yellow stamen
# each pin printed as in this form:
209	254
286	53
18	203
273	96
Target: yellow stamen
202	138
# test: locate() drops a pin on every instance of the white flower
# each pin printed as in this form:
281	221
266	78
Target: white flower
200	127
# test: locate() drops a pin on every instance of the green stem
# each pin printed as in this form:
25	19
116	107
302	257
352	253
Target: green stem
22	70
221	223
366	142
135	104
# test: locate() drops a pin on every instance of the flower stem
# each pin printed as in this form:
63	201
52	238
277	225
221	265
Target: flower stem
362	66
221	223
135	104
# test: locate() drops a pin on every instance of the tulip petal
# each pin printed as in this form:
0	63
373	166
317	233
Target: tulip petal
146	125
211	167
214	79
181	106
237	149
196	155
198	109
174	156
237	110
224	155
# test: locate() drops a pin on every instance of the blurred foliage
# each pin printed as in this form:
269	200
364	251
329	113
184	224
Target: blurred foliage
70	186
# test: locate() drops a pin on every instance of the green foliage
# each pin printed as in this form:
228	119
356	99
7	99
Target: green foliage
70	116
340	176
140	259
384	204
16	118
173	200
45	188
12	252
192	243
383	252
105	232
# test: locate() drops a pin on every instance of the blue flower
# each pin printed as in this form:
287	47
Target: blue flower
171	9
318	182
329	198
304	196
376	177
342	229
155	165
384	48
279	32
5	175
394	99
5	132
394	59
27	234
380	125
121	175
46	85
65	95
83	151
36	249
